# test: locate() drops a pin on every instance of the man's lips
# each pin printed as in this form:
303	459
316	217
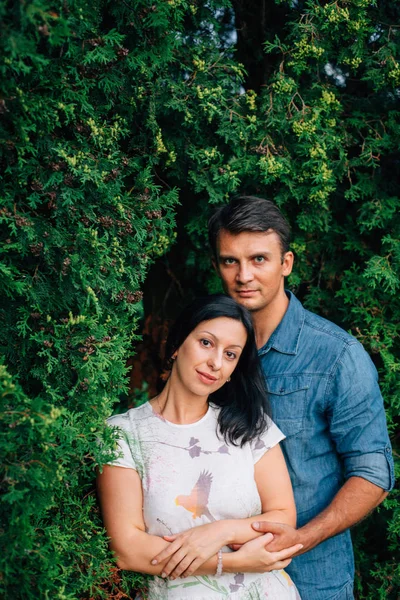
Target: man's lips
246	292
206	377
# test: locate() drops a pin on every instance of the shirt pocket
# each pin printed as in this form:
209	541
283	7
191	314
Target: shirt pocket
288	395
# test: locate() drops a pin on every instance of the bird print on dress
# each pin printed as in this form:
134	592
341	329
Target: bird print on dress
197	501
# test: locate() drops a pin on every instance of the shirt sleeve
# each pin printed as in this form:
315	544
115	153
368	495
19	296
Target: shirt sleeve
267	440
357	419
124	438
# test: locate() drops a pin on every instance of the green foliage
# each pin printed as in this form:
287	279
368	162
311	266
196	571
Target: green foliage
82	216
107	108
321	139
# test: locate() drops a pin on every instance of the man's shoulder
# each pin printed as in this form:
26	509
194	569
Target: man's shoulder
310	327
317	326
329	344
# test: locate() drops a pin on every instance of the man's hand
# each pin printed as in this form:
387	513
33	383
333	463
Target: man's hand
285	536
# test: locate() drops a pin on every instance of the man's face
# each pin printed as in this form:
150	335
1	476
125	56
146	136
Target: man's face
252	267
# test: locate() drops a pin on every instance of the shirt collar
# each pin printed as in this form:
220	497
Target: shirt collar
286	336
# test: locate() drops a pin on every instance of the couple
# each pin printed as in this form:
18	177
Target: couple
200	467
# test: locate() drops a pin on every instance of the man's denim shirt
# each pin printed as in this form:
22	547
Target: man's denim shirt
325	398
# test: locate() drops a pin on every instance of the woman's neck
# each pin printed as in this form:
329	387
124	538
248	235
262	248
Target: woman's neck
178	405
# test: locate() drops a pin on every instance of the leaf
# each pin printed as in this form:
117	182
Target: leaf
223	449
194	451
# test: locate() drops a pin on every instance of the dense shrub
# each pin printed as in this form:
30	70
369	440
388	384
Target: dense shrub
107	108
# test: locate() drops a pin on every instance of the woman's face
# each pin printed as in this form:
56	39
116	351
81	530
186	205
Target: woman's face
209	355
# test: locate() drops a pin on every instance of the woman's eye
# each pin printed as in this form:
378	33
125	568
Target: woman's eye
231	355
205	343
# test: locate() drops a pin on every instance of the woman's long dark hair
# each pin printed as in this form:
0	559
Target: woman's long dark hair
243	400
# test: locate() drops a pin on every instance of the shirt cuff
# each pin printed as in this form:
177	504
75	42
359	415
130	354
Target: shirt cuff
376	467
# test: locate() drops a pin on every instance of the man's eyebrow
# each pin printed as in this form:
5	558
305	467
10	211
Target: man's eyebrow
254	255
215	338
262	253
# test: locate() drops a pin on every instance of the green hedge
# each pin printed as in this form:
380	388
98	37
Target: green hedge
107	109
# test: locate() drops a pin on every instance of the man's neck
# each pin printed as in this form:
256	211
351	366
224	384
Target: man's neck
267	319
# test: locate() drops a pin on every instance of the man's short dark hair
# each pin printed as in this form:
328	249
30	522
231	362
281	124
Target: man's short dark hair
248	213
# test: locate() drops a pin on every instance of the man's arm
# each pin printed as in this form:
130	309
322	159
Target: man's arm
352	503
357	426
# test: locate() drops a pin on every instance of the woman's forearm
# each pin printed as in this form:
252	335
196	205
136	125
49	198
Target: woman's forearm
240	531
233	562
130	559
229	531
137	550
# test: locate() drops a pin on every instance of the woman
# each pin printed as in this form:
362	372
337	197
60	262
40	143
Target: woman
197	464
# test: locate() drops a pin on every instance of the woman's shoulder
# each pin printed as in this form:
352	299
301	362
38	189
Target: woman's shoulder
127	419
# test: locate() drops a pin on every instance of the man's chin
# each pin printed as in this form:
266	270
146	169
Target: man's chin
252	304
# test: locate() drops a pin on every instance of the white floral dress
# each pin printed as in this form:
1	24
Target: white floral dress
191	477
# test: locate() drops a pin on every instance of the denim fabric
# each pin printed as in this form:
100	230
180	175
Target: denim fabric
325	398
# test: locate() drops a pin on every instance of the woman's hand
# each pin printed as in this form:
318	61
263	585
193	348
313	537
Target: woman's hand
252	557
190	549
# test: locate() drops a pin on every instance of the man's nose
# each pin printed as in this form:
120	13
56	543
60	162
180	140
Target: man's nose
244	274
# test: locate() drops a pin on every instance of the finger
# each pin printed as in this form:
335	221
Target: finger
174	560
259	542
181	567
265	539
167	552
278	543
280	564
235	546
281	543
191	570
171	538
287	552
269	526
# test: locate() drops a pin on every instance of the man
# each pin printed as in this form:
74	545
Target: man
324	395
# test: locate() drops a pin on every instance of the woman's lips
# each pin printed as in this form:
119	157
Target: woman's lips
206	378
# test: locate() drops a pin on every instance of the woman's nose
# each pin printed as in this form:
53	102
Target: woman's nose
215	361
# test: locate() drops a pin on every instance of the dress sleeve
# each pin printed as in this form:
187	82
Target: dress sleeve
123	442
267	440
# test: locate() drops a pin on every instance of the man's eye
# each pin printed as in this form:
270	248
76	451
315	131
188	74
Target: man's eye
259	259
229	261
